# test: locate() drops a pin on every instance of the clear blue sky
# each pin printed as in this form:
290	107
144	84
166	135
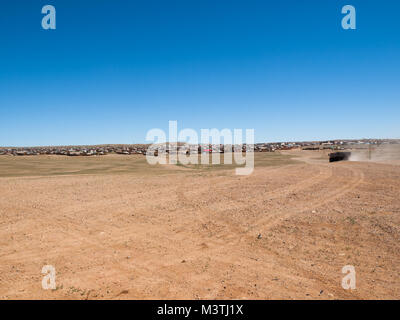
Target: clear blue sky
112	70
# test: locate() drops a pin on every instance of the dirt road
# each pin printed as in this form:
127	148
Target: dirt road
285	231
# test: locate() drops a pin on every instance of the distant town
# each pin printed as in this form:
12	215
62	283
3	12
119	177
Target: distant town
127	149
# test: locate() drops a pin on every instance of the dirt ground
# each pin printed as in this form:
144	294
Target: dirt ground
284	232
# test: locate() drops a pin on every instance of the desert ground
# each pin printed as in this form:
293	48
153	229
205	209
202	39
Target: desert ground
115	227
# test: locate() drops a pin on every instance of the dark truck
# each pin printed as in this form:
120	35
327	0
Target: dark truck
339	156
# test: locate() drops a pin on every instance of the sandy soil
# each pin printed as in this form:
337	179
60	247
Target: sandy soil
282	232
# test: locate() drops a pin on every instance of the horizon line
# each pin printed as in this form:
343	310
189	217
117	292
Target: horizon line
136	144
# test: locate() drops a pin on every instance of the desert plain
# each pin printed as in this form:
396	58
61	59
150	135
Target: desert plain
115	227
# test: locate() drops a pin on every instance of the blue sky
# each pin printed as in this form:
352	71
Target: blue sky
112	70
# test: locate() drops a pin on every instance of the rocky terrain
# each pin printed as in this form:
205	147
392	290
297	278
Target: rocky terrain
286	231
